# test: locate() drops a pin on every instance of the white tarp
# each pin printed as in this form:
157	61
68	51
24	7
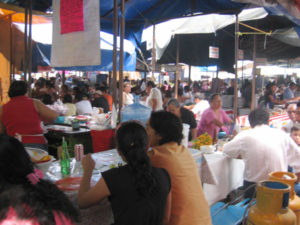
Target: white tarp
81	48
287	8
195	24
288	36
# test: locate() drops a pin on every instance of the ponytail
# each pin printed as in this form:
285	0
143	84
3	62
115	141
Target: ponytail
132	142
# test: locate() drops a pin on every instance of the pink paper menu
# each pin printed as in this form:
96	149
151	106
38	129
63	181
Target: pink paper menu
71	16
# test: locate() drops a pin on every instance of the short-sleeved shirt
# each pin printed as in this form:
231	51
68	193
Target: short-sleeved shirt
206	124
188	204
128	206
155	94
187	117
101	102
84	107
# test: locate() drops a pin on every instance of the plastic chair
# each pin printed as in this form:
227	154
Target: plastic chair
223	214
103	140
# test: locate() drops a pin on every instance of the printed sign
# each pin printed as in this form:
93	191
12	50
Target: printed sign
213	52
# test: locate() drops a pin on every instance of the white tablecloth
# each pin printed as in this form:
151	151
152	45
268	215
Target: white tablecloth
219	176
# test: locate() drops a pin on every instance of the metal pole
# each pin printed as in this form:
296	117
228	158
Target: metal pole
30	46
253	100
121	58
153	51
190	72
10	48
115	30
177	68
25	64
235	101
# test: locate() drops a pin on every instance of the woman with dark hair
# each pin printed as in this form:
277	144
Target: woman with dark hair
21	117
214	118
188	204
68	102
83	105
26	198
270	96
138	192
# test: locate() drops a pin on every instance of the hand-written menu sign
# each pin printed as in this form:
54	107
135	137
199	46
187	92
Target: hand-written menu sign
213	52
71	16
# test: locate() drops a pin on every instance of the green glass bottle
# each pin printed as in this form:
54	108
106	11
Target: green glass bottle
65	159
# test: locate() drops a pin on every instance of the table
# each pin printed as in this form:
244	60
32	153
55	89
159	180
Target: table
56	132
275	121
219	175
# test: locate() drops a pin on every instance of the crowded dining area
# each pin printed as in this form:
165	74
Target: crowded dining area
102	124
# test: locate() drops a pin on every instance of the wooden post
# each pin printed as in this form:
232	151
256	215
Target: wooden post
235	101
177	68
253	99
121	58
153	52
10	48
115	30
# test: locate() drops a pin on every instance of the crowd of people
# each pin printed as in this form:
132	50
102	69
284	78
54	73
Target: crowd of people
157	186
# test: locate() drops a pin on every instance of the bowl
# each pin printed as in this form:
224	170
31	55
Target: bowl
44	166
221	134
207	149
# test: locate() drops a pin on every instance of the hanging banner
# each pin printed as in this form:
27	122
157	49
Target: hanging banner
76	33
71	16
213	52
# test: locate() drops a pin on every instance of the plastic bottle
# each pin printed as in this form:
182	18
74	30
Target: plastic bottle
65	159
136	111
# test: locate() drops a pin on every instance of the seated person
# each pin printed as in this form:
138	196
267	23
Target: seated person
83	105
291	111
100	101
68	102
188	204
184	114
214	119
138	192
25	197
295	134
263	149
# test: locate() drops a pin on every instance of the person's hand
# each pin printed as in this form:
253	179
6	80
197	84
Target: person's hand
88	164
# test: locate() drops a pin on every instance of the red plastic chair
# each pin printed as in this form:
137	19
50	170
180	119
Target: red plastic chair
103	140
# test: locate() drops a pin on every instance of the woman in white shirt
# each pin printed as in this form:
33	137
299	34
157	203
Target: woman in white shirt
83	105
127	97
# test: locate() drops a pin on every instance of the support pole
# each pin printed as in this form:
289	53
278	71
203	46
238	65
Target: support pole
153	52
30	47
25	62
253	99
11	67
177	68
235	101
121	58
190	72
115	30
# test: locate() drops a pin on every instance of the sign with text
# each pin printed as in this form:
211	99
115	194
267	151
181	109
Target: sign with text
213	52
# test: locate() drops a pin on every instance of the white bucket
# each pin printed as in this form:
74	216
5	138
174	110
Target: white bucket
185	132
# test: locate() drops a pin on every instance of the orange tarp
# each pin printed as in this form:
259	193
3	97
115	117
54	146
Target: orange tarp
17	14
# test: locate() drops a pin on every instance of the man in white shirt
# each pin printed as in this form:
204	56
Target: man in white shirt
291	111
200	106
154	99
263	149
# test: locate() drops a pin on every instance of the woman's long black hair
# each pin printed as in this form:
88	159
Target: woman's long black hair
132	142
16	191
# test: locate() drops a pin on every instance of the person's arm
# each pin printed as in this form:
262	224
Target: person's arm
45	112
154	104
233	149
168	209
194	133
277	101
2	127
88	196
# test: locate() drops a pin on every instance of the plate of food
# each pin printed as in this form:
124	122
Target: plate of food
69	183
